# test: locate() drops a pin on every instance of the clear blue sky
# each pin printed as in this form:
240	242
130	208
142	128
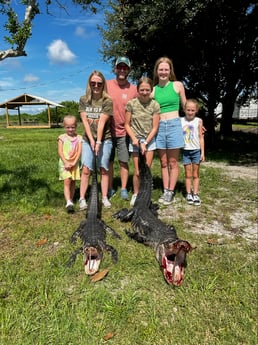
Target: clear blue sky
61	53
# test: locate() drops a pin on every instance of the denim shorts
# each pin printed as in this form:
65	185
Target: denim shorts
191	157
103	156
121	144
150	147
170	134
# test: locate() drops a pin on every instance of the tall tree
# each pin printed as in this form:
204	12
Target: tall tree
20	30
213	45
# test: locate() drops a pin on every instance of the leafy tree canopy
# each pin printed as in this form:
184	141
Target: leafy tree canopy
213	45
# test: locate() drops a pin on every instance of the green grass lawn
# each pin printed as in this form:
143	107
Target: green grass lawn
44	303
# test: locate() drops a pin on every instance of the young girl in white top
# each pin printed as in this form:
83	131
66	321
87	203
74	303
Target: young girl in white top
193	152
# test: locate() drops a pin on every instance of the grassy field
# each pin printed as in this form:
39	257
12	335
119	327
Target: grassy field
44	303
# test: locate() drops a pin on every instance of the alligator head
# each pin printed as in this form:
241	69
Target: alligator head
92	259
171	256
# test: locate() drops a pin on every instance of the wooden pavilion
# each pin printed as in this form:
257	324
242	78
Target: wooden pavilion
28	100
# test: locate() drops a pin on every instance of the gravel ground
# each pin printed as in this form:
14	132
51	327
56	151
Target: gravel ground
241	221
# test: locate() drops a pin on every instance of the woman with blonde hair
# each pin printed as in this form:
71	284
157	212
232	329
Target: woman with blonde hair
96	109
169	93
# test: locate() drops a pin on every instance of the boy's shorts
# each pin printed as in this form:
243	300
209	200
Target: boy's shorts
103	156
121	143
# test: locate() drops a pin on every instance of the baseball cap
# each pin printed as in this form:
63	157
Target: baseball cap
123	59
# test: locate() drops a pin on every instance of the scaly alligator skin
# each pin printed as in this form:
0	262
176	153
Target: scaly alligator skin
92	232
150	230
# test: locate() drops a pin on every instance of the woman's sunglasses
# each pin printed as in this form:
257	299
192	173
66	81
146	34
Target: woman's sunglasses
94	84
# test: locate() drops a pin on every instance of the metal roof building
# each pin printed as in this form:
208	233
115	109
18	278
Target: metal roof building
28	100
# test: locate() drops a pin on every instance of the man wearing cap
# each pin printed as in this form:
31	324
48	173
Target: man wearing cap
121	91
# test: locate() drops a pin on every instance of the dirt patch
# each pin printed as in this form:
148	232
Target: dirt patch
209	219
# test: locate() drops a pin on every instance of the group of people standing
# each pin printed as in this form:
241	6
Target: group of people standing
119	116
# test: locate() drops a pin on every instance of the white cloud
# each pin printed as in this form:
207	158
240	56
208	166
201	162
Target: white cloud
30	78
58	52
81	32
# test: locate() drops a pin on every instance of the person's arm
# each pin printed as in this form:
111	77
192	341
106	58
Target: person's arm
128	128
67	164
155	127
78	153
181	91
100	131
87	129
201	138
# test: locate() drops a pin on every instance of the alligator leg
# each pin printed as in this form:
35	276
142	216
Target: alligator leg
113	252
73	257
136	236
77	232
111	231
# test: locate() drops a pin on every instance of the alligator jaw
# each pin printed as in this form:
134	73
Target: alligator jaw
92	260
172	259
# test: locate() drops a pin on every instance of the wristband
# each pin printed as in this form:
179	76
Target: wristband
98	142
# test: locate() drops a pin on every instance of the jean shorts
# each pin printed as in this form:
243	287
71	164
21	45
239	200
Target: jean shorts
170	134
191	157
103	156
150	147
121	144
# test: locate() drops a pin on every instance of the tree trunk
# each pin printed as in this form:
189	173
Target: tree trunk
227	114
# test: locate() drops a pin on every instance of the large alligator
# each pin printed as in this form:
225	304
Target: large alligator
150	230
92	232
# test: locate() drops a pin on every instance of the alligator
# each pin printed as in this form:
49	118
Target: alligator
170	251
92	232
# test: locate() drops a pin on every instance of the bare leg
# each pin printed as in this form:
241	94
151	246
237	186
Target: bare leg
164	168
173	155
124	174
85	175
188	177
196	180
67	190
136	175
104	182
111	175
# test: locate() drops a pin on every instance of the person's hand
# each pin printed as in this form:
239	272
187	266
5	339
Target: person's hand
97	147
135	142
92	144
143	148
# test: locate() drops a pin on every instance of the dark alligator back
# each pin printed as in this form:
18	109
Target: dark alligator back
146	185
94	210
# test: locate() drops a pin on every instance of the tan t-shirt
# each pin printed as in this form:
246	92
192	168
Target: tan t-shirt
142	116
93	111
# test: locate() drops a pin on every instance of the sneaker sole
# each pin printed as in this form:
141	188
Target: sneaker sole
190	202
83	208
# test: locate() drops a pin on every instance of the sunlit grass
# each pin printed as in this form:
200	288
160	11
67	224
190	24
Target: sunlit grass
43	302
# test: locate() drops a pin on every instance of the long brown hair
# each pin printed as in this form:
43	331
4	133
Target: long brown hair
172	75
88	88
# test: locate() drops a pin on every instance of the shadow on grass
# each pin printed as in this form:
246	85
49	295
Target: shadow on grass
238	149
20	183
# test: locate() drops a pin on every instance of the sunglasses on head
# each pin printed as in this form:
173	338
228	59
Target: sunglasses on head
94	83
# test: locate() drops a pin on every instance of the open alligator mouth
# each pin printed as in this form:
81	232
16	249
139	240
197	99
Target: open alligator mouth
172	257
92	260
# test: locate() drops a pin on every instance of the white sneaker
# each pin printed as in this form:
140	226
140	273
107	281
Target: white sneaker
134	196
83	204
69	207
106	203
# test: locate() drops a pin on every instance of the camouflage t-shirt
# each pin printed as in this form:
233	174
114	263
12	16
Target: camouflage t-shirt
142	116
93	111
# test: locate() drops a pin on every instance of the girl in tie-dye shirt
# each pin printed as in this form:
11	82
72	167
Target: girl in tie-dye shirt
69	151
